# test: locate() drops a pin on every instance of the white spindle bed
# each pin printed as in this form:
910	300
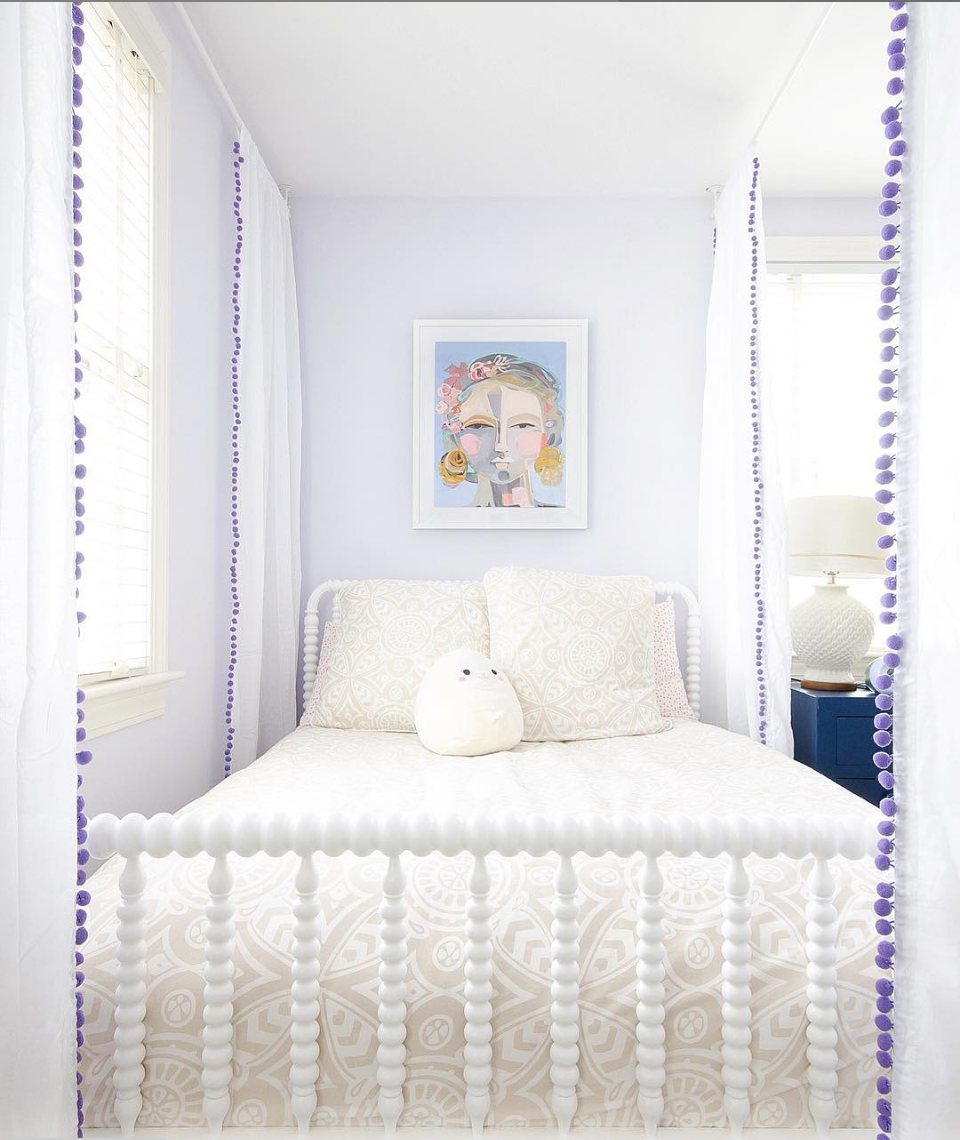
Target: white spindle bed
229	839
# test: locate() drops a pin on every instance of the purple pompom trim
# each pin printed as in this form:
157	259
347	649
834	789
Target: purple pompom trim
757	469
885	475
83	755
234	468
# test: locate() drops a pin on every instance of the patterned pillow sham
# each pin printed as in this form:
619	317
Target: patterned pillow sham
578	650
389	633
668	676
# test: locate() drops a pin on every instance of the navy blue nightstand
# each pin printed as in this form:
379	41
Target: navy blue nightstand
833	733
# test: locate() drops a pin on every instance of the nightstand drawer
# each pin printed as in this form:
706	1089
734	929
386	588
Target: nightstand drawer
853	751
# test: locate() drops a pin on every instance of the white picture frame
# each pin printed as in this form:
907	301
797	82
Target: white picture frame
541	464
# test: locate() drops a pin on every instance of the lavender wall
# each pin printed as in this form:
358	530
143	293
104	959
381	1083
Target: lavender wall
161	764
639	270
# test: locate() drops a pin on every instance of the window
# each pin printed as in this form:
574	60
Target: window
822	354
122	339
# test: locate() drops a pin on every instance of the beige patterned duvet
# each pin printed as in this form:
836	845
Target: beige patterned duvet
690	769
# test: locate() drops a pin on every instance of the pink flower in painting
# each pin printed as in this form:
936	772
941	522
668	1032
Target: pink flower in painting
445	390
484	370
441	408
454	425
457	373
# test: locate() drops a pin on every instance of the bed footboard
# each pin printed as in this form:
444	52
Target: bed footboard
226	838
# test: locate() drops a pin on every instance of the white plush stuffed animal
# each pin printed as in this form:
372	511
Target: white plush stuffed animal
467	707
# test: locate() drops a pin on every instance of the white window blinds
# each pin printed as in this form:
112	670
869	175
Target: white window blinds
115	334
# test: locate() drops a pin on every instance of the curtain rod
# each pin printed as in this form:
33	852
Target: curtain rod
217	81
798	62
214	74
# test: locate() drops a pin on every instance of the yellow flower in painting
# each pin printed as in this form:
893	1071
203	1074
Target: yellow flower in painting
452	468
549	466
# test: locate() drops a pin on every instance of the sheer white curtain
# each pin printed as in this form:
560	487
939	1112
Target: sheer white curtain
38	628
926	1093
737	693
269	497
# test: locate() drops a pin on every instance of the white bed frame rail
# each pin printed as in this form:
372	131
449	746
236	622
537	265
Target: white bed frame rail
226	837
312	637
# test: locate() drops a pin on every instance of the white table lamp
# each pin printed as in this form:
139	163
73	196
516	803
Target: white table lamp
832	535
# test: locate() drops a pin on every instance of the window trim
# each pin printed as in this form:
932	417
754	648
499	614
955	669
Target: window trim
811	254
118	703
805	253
112	705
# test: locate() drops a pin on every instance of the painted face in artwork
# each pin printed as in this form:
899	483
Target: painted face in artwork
502	424
503	431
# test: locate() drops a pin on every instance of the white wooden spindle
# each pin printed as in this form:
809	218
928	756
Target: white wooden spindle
735	1052
822	927
478	992
311	652
565	994
305	992
392	1011
792	838
693	662
217	1055
128	1053
651	1054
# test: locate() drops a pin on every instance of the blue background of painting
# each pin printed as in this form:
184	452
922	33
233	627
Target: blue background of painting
550	354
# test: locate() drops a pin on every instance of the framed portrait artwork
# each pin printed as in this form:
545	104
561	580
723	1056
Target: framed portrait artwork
500	424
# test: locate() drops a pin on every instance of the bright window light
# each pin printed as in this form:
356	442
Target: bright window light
821	352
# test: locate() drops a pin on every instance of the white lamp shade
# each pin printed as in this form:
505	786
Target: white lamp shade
835	533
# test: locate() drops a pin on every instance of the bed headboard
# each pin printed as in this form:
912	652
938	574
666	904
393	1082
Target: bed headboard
311	634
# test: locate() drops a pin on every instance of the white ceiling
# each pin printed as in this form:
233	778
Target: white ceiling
551	98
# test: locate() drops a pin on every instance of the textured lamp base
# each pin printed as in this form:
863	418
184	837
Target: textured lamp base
831	633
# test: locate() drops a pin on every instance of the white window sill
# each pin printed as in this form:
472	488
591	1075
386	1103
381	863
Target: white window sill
112	705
